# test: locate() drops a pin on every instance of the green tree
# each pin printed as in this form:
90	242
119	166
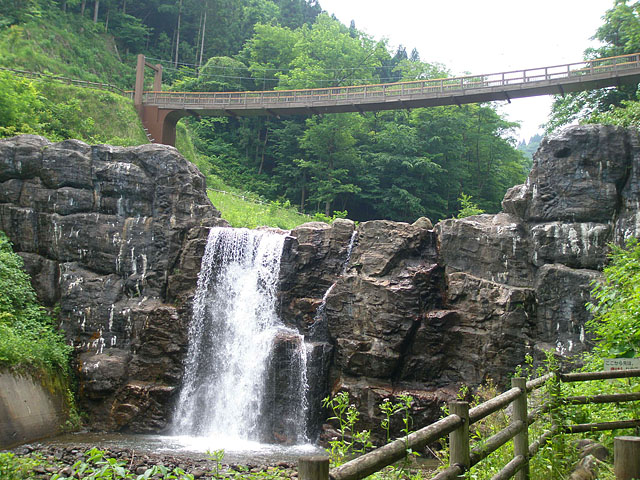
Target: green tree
330	141
620	34
616	304
19	105
468	207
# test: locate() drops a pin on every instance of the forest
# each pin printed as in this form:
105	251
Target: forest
398	165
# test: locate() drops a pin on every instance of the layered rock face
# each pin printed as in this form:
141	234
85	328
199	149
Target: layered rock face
113	239
423	310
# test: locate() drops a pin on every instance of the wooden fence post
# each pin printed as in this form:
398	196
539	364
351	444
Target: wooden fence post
521	440
313	468
626	455
459	438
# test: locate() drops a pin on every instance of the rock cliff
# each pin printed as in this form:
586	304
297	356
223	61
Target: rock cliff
115	236
423	310
112	237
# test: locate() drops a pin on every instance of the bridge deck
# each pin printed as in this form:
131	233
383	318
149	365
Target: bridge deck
586	75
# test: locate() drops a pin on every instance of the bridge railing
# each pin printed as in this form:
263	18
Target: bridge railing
400	90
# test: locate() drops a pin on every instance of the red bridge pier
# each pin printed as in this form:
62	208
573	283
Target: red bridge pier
160	123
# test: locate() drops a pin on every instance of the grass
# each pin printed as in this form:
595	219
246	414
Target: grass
59	111
246	212
184	144
240	209
67	45
93	116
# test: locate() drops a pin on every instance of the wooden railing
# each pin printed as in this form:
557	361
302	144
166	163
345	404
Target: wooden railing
578	71
463	456
68	81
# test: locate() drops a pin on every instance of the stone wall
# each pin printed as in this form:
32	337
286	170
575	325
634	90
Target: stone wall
28	410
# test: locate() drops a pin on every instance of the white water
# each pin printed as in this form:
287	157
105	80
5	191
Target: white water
231	338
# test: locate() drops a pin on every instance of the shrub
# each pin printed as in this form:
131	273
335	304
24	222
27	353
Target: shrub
27	336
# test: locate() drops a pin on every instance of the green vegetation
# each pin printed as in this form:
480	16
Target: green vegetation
248	212
530	147
620	35
616	330
395	165
14	467
59	112
468	207
40	38
616	309
352	442
28	339
97	465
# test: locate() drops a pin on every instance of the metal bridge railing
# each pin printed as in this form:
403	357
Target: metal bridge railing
583	70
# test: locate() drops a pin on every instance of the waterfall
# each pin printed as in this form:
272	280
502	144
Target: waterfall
319	319
242	363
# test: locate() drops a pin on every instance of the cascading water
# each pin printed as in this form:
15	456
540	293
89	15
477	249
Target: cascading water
319	348
320	317
240	354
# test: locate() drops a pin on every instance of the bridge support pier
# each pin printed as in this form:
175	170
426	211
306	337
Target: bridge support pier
160	123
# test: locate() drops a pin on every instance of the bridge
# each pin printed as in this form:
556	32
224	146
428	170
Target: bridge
160	111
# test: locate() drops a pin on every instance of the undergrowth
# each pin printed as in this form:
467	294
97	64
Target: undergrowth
246	211
95	464
67	45
28	338
59	112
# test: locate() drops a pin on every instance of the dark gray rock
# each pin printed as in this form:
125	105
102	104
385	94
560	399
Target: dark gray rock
103	232
578	245
492	247
562	293
578	174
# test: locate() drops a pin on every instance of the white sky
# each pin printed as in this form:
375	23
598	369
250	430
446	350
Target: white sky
484	36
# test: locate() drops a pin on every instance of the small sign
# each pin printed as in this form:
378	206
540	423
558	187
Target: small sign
614	364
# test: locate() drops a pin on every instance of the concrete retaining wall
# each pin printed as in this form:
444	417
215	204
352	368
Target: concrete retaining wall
28	411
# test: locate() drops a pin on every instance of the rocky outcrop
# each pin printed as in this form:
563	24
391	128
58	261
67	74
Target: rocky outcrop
113	239
423	310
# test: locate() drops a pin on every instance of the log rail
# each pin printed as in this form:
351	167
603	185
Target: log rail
456	426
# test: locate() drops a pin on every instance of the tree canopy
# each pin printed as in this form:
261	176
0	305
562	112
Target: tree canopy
397	165
619	35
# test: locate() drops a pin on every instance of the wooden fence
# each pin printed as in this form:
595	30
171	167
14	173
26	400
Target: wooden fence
463	455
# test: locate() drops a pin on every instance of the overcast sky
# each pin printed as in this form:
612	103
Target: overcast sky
484	36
